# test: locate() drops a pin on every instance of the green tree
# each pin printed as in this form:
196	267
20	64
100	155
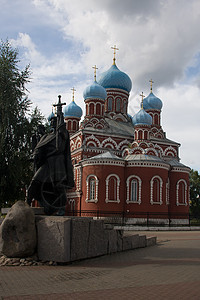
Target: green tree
16	126
195	192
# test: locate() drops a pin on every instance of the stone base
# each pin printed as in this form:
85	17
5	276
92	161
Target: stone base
66	239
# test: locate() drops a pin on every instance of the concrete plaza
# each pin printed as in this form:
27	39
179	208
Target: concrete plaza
169	270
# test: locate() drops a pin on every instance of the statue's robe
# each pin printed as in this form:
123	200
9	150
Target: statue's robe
53	168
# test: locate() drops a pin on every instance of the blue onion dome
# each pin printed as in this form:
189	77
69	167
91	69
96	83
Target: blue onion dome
51	116
152	102
114	78
142	118
94	91
73	110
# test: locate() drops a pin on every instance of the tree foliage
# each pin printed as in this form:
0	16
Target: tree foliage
195	192
16	126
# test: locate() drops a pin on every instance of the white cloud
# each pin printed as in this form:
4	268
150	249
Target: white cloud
157	39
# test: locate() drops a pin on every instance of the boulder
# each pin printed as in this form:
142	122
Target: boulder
18	231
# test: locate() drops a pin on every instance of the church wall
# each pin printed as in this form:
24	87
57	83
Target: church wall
106	199
148	190
179	192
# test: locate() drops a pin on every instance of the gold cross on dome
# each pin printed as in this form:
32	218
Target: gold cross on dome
142	95
114	48
151	81
73	90
95	72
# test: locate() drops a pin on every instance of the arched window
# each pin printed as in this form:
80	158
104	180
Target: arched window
167	191
140	134
181	192
124	106
74	125
91	109
98	109
110	104
92	189
69	125
134	192
118	105
156	119
156	190
134	184
112	188
92	183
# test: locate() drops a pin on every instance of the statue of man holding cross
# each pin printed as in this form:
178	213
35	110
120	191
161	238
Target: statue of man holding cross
54	171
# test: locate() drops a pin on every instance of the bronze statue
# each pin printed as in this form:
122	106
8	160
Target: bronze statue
54	171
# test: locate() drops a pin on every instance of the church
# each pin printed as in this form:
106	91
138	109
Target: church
124	164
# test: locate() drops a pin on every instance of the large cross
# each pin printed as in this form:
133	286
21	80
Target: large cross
95	72
114	48
151	81
73	90
142	95
59	106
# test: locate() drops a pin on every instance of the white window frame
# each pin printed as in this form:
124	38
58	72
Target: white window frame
128	187
158	191
88	192
117	200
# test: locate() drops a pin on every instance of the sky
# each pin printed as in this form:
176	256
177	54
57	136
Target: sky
157	39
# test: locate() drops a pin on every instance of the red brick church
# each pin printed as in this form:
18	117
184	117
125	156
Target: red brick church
124	163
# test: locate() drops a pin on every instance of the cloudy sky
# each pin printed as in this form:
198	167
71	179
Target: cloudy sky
158	39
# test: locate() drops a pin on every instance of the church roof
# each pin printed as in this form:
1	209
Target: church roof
95	91
175	163
143	157
115	128
107	154
114	78
73	110
152	102
142	118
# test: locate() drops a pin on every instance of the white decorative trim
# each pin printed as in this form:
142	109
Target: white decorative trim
160	194
147	164
122	144
88	188
92	137
78	142
108	141
177	192
170	150
128	188
107	188
105	161
151	149
159	150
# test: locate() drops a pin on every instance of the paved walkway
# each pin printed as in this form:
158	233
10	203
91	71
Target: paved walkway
169	270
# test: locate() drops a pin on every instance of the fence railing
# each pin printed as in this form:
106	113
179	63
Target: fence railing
140	218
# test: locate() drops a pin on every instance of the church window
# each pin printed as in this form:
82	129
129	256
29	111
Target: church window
91	109
112	188
134	190
156	190
110	104
134	187
74	125
124	107
69	123
181	192
98	109
118	105
92	188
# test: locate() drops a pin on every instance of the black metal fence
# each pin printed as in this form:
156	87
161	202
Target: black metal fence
122	218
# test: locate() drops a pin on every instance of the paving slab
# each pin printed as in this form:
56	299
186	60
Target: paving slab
169	270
